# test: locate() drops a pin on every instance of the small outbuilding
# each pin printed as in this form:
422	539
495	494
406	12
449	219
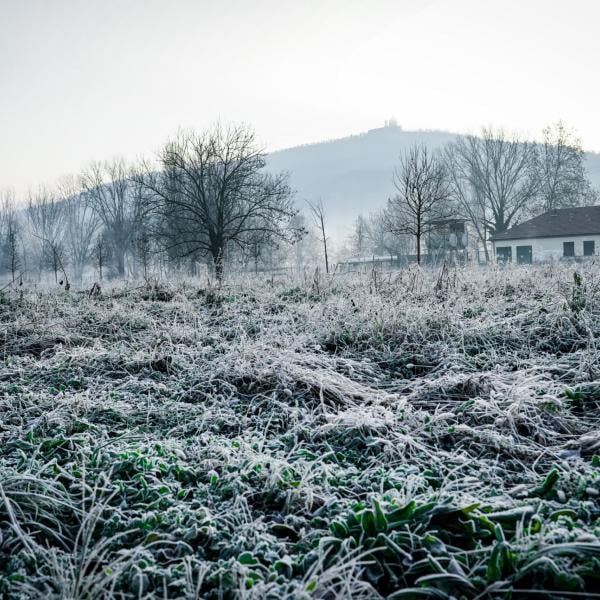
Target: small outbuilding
448	240
567	233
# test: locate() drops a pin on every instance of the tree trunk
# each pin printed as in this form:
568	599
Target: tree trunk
121	262
219	270
217	256
485	246
325	244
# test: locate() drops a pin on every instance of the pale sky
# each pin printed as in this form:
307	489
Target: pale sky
93	79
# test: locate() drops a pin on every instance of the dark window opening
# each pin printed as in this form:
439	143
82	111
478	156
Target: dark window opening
504	254
568	249
589	248
524	255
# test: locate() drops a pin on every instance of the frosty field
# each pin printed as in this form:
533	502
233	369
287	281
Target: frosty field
420	434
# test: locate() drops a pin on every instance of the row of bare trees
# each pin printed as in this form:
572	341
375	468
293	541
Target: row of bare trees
206	198
492	180
59	228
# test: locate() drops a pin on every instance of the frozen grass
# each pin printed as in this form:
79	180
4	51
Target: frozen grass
413	435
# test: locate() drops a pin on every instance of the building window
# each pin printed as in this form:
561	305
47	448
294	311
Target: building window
568	249
524	255
589	248
504	254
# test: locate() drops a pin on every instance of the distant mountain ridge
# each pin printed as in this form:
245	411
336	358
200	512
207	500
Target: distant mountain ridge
353	175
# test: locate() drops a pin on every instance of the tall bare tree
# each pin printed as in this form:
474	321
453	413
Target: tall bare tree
360	236
494	177
563	178
305	250
494	180
467	195
318	214
81	225
101	252
422	198
10	236
114	198
46	218
143	249
212	192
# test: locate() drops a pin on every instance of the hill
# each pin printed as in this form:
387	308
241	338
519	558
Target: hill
353	175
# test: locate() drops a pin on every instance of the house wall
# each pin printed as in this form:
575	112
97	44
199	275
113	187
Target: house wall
551	248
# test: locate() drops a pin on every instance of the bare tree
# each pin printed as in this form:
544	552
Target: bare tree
256	245
143	249
10	234
422	197
382	241
101	252
563	179
12	260
113	196
318	214
304	250
81	225
494	178
360	236
7	209
46	218
213	192
467	195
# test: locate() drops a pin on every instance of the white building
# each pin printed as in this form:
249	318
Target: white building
568	233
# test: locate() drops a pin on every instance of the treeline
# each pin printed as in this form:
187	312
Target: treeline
206	203
493	181
206	200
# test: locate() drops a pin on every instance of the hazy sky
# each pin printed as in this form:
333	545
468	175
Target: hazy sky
92	79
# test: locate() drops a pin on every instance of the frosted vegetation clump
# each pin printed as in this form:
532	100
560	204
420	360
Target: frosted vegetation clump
408	435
